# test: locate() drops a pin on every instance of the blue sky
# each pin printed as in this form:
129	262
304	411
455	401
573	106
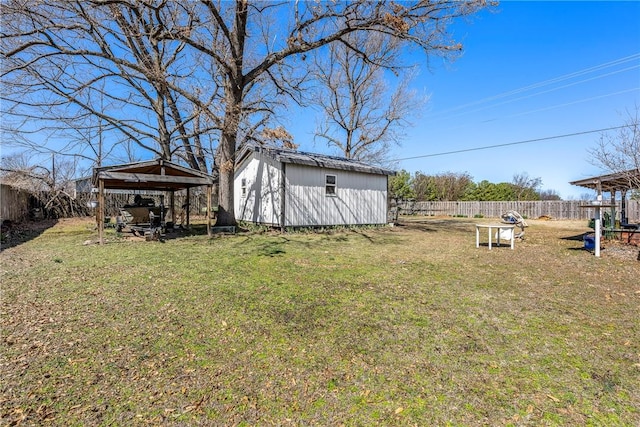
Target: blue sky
529	70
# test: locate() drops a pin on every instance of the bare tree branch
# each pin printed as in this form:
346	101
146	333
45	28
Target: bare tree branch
619	151
361	118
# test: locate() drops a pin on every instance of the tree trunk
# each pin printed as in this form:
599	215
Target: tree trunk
226	215
227	158
234	87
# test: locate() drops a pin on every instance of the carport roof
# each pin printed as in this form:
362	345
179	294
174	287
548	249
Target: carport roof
620	181
157	174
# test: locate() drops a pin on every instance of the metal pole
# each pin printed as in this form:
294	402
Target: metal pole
597	221
597	226
100	211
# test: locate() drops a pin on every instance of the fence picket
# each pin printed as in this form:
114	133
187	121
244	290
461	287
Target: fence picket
556	209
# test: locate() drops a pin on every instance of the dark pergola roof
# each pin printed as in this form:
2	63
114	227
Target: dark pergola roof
160	175
621	181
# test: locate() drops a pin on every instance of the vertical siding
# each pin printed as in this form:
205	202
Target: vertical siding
360	198
262	202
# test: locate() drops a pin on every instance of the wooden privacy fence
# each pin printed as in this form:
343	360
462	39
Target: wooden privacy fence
114	201
14	203
556	209
17	205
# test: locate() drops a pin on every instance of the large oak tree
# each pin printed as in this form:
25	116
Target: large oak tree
178	72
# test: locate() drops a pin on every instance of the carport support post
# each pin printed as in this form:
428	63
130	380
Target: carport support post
188	206
209	211
612	218
100	211
172	205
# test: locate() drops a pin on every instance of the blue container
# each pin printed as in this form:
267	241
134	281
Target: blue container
589	242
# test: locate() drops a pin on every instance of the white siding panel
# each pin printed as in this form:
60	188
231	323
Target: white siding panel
262	201
360	198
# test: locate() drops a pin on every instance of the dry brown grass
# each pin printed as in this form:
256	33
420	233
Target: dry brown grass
409	325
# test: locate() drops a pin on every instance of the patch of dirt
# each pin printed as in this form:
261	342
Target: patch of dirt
620	250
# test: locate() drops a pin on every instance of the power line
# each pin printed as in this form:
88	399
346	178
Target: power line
566	104
545	83
531	95
508	144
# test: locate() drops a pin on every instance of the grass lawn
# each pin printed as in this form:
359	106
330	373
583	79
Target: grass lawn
406	325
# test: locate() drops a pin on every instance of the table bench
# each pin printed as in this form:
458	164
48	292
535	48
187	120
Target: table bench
498	227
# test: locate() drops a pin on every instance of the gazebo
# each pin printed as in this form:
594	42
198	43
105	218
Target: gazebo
611	183
157	175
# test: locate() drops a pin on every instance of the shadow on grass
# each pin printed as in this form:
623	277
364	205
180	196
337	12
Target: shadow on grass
582	249
179	232
416	225
577	237
271	249
362	234
274	243
434	225
16	234
494	245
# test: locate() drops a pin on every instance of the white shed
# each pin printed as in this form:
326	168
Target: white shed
287	188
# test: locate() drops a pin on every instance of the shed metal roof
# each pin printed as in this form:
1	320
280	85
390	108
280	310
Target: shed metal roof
313	159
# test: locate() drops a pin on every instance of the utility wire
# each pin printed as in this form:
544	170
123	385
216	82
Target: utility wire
508	144
566	104
520	98
548	82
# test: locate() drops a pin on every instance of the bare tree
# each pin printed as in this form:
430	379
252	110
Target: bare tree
549	195
17	170
97	68
362	118
171	64
525	187
50	184
619	151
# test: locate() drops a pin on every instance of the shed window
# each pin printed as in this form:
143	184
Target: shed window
330	185
243	187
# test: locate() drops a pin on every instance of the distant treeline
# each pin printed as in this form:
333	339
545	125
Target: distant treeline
460	186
